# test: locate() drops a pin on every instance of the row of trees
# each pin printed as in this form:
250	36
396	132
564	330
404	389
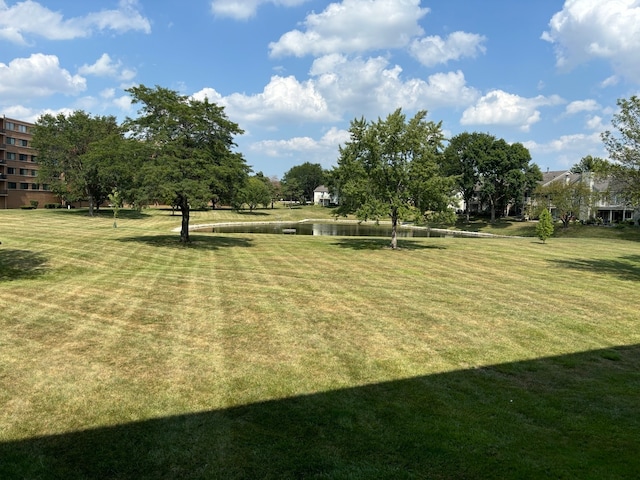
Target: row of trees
178	151
399	168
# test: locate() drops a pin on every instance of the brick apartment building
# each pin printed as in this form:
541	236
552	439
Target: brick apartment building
19	168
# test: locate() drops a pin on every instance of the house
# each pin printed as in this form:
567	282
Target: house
608	204
19	185
321	196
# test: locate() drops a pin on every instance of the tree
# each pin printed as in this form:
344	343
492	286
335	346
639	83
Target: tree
306	177
256	192
461	159
624	150
566	197
390	169
544	228
64	144
505	174
185	140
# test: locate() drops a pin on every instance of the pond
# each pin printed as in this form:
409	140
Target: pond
330	229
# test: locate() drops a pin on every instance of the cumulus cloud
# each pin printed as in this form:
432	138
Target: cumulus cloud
106	67
38	76
323	150
569	149
589	29
30	18
353	26
284	99
582	106
244	9
374	87
501	108
434	49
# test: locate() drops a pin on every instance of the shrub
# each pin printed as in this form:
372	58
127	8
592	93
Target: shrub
34	203
27	207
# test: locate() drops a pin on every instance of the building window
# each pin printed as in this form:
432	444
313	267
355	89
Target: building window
34	173
11	171
35	186
23	128
11	141
10	126
24	143
45	187
11	156
33	158
24	186
23	172
12	185
22	157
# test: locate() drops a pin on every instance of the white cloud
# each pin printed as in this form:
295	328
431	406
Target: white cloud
372	87
434	49
610	81
353	26
567	150
501	108
323	151
582	106
284	99
595	123
106	67
244	9
594	29
38	76
30	18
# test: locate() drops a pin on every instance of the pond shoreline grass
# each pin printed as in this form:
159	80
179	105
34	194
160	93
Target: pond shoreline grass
126	355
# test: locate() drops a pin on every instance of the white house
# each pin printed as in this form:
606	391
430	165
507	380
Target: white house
321	196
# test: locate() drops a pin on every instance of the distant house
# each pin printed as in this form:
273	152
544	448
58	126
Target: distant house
321	196
609	206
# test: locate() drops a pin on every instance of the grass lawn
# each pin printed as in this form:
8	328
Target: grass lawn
126	355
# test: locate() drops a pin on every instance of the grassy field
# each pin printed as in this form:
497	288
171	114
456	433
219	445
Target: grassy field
126	355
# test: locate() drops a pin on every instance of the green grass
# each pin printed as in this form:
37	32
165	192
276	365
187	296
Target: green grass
126	355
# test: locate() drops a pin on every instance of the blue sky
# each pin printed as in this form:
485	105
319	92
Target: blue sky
294	73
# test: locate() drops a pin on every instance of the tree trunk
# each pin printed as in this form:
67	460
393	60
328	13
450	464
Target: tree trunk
493	211
91	205
394	229
184	232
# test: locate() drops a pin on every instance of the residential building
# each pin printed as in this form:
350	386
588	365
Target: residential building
322	196
19	184
608	205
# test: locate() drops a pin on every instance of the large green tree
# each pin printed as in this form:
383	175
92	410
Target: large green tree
304	179
186	141
391	169
66	146
462	159
506	172
624	150
256	191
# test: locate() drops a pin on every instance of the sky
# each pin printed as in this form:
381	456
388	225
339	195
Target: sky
294	73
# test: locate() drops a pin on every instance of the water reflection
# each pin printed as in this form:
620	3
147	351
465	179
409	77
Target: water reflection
326	229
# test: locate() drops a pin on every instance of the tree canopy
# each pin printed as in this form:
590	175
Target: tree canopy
568	199
188	142
66	146
391	169
301	180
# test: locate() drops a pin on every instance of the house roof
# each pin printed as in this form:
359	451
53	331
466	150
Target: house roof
321	189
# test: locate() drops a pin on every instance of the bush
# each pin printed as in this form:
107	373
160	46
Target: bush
27	207
34	203
52	205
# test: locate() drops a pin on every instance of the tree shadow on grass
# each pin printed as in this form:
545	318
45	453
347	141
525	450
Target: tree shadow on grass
21	264
626	267
571	416
368	243
207	242
104	213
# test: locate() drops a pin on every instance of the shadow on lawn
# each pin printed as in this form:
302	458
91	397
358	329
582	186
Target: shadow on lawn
20	264
208	242
368	243
572	416
626	267
104	213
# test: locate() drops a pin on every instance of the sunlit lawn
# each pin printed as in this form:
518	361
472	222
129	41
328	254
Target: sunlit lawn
126	355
